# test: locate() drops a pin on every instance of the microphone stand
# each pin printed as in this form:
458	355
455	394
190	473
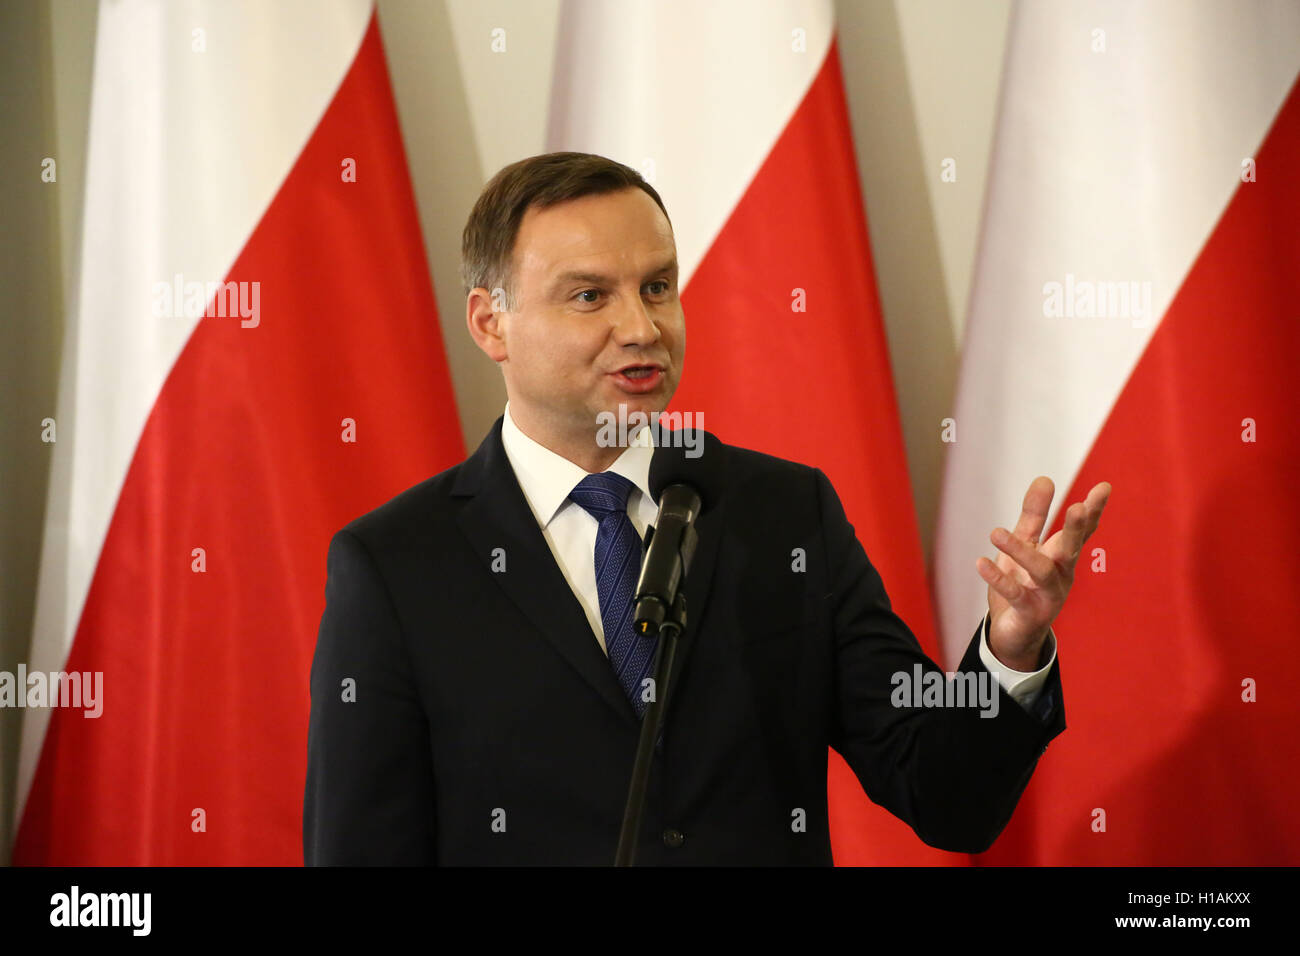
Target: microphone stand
651	726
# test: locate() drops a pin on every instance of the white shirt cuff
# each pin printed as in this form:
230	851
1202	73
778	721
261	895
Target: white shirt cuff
1023	686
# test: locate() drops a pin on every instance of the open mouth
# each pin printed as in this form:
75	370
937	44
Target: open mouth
638	378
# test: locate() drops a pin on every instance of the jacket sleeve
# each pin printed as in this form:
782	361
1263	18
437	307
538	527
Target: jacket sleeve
369	796
953	773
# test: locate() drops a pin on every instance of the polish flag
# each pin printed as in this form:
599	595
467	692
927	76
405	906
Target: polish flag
1134	319
209	440
735	112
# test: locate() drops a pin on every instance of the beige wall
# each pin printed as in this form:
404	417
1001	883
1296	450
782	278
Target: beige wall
921	77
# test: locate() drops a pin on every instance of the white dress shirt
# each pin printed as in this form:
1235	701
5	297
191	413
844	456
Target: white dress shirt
546	480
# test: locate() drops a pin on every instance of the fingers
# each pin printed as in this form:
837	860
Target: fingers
999	581
1096	502
1037	565
1055	558
1082	519
1033	512
1073	534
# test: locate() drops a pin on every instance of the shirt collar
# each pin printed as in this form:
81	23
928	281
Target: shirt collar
547	478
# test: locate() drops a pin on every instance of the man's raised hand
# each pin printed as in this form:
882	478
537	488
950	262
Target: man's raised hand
1029	582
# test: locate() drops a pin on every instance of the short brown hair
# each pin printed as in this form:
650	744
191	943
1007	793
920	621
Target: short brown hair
488	242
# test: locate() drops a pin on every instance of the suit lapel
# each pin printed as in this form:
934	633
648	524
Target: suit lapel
698	586
498	516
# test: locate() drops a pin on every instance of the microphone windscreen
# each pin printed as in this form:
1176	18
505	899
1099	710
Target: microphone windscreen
688	456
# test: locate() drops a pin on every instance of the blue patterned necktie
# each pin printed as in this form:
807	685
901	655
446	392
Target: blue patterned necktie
618	565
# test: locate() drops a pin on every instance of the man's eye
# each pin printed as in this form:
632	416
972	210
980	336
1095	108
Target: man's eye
660	282
588	292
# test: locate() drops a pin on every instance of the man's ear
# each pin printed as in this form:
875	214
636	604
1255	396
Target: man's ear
484	322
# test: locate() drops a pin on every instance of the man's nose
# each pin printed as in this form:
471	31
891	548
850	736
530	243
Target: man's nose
634	325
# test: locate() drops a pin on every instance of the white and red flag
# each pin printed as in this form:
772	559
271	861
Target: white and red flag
252	359
736	113
1134	319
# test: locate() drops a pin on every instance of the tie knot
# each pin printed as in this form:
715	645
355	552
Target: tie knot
602	494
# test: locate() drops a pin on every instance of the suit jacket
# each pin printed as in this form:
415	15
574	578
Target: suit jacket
484	724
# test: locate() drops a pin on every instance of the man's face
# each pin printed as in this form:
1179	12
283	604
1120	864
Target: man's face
598	321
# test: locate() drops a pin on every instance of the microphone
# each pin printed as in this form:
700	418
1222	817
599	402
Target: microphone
685	477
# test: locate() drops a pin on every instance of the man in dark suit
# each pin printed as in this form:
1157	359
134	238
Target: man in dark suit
477	687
